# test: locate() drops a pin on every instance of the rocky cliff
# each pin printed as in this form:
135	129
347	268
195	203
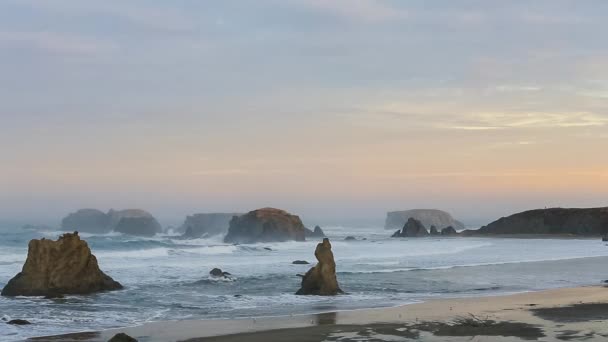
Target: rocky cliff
412	228
265	225
136	222
65	266
206	224
428	217
588	221
87	220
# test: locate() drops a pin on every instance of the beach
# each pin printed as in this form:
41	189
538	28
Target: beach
552	315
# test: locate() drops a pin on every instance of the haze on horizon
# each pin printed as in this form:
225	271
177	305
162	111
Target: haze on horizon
330	109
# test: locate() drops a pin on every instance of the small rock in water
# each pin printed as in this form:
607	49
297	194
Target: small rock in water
350	238
18	322
300	262
122	337
238	296
268	248
216	272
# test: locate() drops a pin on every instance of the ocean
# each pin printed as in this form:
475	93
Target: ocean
166	278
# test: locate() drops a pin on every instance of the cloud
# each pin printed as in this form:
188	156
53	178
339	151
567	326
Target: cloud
360	10
56	42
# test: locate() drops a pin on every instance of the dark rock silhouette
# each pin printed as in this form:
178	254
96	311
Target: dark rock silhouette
434	231
300	262
216	272
316	233
18	322
321	279
206	224
122	337
428	217
589	221
413	228
65	266
449	231
265	225
350	238
87	220
141	226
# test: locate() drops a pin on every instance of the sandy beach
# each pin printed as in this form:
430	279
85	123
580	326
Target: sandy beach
568	314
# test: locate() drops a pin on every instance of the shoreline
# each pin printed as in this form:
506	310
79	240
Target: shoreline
402	321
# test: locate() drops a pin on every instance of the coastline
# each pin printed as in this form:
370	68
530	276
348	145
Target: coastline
518	317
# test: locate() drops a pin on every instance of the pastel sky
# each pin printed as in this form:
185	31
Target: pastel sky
334	110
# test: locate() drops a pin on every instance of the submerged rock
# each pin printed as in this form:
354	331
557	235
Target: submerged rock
413	228
122	337
300	262
53	268
350	238
216	272
321	279
18	322
265	225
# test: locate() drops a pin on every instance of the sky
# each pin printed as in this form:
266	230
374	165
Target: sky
335	110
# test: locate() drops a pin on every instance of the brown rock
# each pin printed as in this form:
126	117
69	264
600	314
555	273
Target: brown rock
321	280
53	268
265	225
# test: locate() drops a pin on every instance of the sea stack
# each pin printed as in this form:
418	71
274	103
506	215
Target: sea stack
321	280
65	266
265	225
413	228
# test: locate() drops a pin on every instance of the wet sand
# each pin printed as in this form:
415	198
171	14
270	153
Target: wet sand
553	315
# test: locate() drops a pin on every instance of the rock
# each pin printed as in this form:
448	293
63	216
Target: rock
449	231
350	238
122	337
434	231
428	217
317	233
265	225
134	222
216	272
268	248
65	266
562	221
18	322
87	220
321	279
300	262
413	228
605	238
207	224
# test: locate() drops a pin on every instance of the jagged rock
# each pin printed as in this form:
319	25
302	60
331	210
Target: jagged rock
216	272
317	233
65	266
18	322
321	279
434	231
350	238
142	226
265	225
413	228
300	262
449	231
122	337
586	221
428	217
87	220
207	224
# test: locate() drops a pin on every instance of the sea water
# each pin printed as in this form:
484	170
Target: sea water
166	278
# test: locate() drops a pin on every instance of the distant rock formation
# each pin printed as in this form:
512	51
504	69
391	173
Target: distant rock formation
428	217
321	279
122	337
449	231
65	266
207	224
434	231
87	220
412	228
265	225
138	222
141	226
317	233
350	238
586	221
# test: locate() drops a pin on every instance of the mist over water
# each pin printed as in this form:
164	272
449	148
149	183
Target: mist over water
167	279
